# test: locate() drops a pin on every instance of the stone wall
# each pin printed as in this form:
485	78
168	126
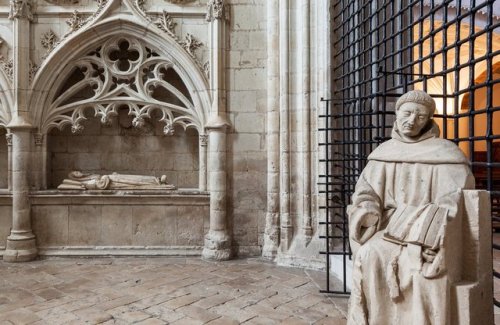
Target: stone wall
247	100
124	149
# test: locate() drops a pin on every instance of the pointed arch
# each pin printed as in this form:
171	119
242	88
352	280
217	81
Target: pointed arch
61	63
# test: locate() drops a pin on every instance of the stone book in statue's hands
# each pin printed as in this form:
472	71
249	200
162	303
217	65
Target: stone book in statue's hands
416	225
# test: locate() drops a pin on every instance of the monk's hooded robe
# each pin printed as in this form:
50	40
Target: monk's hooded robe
405	182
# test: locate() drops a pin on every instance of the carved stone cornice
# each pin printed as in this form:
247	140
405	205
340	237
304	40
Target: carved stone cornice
20	9
216	9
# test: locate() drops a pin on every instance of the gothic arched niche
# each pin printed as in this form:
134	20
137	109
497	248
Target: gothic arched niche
122	72
123	107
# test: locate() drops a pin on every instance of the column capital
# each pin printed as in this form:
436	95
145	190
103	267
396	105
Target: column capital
218	122
21	9
217	10
19	123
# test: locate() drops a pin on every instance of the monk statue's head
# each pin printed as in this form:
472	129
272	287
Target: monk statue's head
414	111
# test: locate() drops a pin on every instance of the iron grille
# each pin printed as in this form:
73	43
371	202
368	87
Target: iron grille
451	49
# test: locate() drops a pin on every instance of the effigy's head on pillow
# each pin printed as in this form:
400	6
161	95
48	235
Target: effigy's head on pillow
414	112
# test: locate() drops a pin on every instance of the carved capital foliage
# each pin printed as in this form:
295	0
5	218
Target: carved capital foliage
203	140
38	139
216	9
21	9
8	137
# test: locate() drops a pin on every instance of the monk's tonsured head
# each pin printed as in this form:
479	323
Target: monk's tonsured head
414	110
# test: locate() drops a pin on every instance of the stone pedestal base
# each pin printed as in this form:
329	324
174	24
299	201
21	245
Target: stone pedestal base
217	246
20	248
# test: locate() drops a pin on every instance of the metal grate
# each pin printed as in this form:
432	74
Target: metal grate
451	49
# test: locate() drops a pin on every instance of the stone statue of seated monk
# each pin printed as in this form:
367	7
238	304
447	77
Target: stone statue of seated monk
80	181
403	211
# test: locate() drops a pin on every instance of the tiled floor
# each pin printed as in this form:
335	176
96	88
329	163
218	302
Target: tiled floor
163	291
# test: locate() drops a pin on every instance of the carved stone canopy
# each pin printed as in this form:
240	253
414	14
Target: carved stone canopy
123	73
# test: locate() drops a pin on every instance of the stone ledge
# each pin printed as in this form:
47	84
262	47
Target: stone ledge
142	197
114	251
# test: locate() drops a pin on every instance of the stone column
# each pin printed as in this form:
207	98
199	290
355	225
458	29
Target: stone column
272	230
8	137
21	245
203	142
217	242
286	234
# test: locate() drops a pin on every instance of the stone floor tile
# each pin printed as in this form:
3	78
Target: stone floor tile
93	315
224	321
213	301
152	321
294	321
261	321
133	316
164	291
187	321
181	301
198	313
332	321
20	316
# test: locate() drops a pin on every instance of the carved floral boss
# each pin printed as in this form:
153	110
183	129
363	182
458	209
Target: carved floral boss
123	72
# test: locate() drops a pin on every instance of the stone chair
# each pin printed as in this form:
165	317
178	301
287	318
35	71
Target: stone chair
472	292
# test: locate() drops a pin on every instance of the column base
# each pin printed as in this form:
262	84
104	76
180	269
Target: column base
217	247
20	248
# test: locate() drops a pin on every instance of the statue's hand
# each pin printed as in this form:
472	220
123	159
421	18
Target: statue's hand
365	228
429	255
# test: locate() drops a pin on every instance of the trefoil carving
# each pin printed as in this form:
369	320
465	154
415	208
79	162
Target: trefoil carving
20	9
167	24
216	9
